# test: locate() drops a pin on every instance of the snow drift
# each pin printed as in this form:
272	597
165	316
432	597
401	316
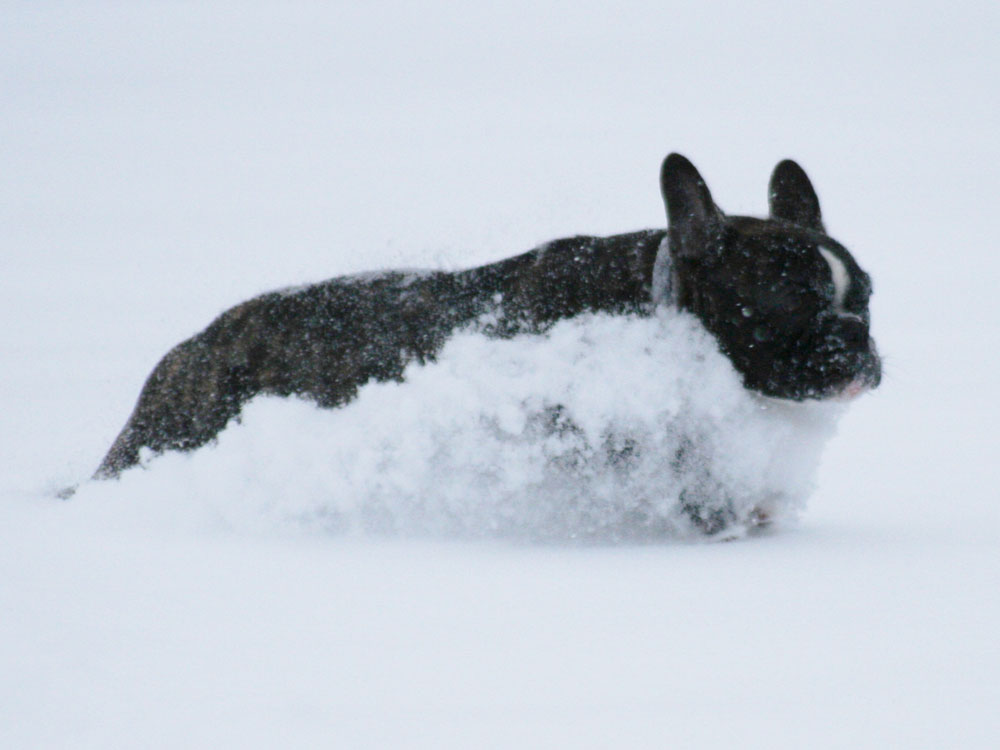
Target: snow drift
602	428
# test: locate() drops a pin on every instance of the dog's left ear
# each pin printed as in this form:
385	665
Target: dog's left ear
792	198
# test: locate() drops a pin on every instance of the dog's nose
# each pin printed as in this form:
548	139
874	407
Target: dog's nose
853	330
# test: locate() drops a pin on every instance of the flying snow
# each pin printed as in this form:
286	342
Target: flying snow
605	427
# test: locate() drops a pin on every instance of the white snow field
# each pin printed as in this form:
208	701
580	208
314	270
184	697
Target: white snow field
162	162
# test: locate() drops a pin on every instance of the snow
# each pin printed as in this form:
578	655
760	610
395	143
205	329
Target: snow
595	430
161	163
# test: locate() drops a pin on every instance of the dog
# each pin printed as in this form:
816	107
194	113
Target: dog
786	303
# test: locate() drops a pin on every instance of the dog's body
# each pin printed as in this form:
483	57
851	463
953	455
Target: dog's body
325	341
786	303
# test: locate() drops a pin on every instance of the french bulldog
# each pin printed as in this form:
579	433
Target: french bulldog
787	304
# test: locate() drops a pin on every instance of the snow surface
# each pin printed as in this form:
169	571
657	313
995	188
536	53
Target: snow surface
159	163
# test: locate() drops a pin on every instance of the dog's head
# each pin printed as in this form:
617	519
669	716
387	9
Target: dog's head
787	303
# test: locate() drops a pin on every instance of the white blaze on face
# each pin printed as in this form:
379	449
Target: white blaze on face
841	279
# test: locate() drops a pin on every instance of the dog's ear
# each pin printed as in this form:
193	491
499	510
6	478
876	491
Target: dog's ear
693	217
792	198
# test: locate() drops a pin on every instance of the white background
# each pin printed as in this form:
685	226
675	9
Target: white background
160	162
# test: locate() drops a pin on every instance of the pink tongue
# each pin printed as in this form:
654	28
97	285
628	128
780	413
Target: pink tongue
854	388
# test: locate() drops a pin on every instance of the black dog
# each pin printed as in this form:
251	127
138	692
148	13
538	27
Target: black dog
787	304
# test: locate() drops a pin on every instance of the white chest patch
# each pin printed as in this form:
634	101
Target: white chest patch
841	279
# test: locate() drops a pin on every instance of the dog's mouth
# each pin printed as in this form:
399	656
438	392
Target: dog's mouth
845	363
843	377
852	390
866	377
843	392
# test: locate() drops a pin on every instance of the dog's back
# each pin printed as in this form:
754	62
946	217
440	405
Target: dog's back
324	341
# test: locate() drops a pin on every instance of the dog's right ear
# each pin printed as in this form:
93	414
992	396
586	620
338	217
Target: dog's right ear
692	216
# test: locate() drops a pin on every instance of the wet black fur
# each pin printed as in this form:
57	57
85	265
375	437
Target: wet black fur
324	341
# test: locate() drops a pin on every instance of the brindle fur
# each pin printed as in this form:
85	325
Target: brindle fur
325	341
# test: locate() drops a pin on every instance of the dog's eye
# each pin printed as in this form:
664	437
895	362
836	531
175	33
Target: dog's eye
762	334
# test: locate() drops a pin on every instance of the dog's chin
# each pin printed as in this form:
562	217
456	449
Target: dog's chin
840	392
823	380
851	388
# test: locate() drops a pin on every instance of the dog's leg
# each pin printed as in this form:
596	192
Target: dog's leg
702	500
708	520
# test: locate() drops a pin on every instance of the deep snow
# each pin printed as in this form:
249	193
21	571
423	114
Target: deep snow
604	428
158	164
